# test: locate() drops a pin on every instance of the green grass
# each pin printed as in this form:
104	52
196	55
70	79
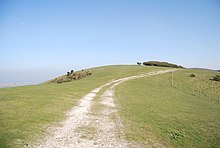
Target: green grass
27	111
199	85
153	111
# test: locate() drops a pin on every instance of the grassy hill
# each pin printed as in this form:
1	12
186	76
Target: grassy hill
27	111
150	107
178	116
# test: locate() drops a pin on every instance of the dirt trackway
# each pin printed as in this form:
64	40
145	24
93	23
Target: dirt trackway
91	128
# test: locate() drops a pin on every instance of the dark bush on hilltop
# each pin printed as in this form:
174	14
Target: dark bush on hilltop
161	64
72	76
138	63
216	78
68	73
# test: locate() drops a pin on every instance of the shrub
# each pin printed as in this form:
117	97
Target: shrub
216	78
192	75
68	73
161	64
138	63
72	76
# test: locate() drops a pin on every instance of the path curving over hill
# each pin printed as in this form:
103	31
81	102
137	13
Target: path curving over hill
94	122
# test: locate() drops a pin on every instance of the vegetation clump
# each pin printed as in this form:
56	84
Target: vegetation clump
70	76
176	135
216	78
192	75
138	63
161	64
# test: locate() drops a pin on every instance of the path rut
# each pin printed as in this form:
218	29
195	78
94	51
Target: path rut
86	127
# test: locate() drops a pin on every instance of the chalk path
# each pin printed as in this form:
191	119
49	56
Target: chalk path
93	123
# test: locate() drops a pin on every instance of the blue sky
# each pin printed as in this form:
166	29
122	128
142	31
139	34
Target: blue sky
45	38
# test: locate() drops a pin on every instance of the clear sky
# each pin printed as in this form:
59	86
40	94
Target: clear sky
41	39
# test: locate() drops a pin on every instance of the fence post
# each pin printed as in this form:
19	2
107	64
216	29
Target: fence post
172	78
209	96
218	99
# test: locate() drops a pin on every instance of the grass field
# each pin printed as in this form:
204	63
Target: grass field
198	85
26	111
153	110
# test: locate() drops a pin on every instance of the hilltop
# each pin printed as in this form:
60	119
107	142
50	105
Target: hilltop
71	76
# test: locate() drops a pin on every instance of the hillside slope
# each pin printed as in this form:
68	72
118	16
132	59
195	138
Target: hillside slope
181	115
27	111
